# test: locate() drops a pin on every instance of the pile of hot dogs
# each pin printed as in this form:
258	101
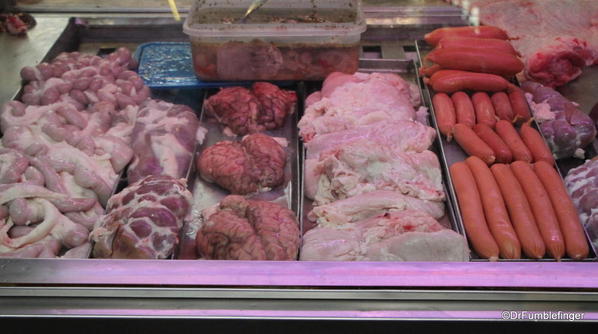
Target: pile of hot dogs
510	209
509	206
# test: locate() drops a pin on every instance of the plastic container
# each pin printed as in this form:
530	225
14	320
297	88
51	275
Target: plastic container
283	40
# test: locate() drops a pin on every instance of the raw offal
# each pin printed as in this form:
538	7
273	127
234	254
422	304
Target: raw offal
347	101
371	204
258	60
65	144
396	236
364	166
256	163
240	229
409	136
143	220
84	80
243	111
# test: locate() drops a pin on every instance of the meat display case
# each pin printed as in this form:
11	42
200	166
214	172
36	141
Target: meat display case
94	288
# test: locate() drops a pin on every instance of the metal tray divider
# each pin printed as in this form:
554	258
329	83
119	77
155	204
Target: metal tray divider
447	175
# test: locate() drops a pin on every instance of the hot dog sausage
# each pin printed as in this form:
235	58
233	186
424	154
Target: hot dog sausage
445	114
519	103
519	211
509	135
575	239
484	111
472	144
501	150
464	109
429	70
502	106
495	210
536	144
490	45
450	81
541	207
435	36
476	60
472	212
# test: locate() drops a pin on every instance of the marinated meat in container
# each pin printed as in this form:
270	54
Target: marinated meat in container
283	40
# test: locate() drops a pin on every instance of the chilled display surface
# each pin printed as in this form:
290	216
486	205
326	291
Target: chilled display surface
540	285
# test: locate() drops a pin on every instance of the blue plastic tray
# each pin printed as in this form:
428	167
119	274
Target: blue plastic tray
169	65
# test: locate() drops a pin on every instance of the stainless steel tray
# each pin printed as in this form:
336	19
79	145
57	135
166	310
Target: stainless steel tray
453	153
206	194
407	69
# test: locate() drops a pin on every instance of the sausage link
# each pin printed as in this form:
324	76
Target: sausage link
519	103
575	239
501	150
536	144
484	111
429	70
490	45
502	106
464	109
436	35
509	135
445	114
450	81
495	210
472	212
476	60
541	207
519	211
472	144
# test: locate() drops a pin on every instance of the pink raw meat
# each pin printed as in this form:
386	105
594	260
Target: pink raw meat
556	38
241	229
347	101
396	236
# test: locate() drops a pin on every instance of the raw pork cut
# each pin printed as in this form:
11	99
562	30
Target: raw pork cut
241	229
347	101
396	236
90	147
143	220
582	183
370	204
566	128
254	164
64	146
84	80
243	111
164	139
404	135
556	38
364	166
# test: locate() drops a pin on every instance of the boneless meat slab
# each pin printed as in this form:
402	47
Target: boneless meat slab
566	128
143	221
407	235
163	140
241	229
